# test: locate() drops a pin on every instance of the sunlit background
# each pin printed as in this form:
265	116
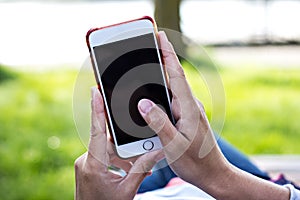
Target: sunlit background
53	32
254	44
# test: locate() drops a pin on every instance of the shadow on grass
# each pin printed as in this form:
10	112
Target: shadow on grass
6	74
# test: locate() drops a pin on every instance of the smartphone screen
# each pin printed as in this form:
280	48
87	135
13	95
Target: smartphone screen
130	70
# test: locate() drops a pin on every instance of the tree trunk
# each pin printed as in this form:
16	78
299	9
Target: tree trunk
167	16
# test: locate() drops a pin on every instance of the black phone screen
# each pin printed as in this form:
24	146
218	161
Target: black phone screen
130	70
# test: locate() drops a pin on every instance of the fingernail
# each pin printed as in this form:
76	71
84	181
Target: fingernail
164	35
145	106
149	173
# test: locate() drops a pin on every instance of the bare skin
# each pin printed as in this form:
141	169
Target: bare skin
202	163
189	147
93	179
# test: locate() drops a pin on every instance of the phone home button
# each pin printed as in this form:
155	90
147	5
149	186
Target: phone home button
148	145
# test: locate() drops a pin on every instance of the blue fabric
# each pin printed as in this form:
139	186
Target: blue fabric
159	178
240	160
162	175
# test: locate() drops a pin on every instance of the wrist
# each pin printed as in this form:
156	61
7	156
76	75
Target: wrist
233	183
214	172
220	184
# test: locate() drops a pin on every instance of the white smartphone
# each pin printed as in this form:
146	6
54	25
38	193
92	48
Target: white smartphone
128	67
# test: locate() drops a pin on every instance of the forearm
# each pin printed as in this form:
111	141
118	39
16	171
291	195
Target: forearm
234	183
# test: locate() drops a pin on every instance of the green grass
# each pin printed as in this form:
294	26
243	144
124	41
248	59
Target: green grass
6	74
39	142
262	108
35	108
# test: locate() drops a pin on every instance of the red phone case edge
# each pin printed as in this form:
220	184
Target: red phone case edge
89	47
99	28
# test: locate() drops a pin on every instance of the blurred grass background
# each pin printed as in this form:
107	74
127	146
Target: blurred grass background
262	108
38	139
39	142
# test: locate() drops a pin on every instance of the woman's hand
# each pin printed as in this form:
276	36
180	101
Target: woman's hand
93	179
190	147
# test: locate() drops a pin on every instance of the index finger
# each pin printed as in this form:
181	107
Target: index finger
98	139
178	83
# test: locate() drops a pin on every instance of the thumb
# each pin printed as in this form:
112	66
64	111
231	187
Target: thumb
141	169
157	120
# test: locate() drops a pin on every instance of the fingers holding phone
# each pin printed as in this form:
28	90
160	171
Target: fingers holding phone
190	143
94	180
97	149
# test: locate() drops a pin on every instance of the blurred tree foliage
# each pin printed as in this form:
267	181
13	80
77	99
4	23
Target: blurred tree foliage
6	74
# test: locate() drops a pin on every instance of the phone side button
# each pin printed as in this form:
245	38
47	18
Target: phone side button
148	145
